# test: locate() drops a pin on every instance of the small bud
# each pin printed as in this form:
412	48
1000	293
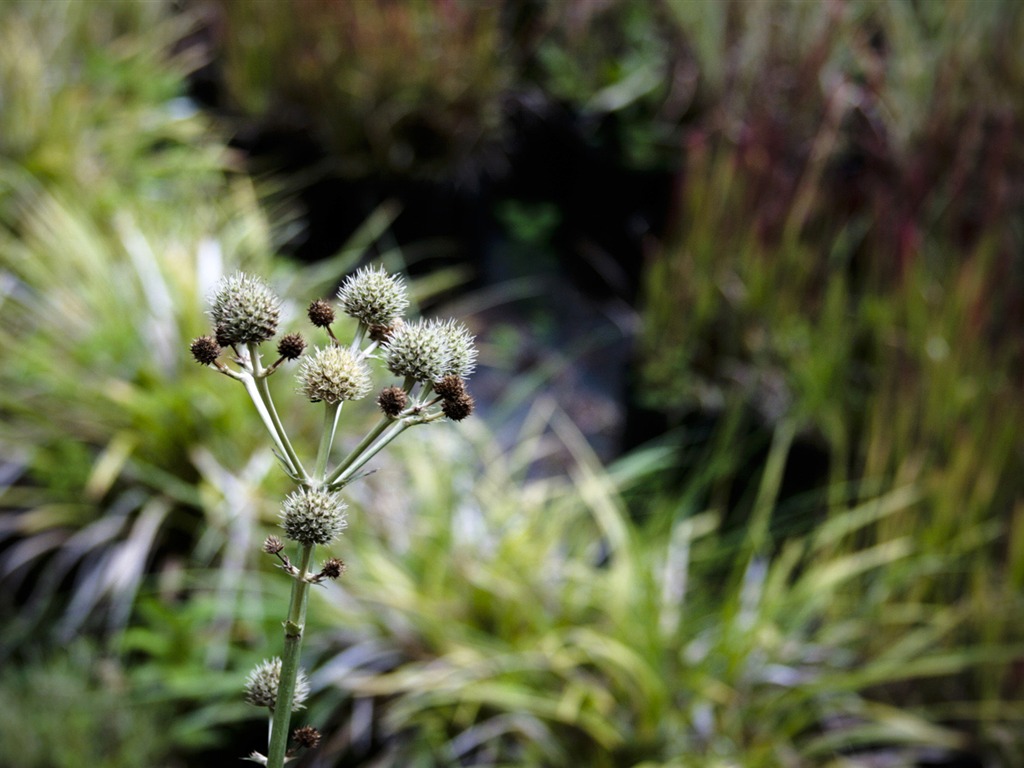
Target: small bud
392	400
417	350
272	545
334	374
461	350
245	310
333	568
321	314
313	516
205	350
450	387
291	346
459	408
306	737
373	296
262	683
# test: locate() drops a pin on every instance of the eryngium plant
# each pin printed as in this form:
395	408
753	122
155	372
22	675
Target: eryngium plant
433	358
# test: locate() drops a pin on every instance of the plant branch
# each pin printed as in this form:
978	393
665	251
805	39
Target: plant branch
331	413
344	473
277	431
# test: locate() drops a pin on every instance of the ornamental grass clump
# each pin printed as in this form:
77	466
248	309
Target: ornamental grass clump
433	358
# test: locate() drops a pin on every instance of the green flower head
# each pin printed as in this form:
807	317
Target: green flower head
334	374
461	350
313	516
244	310
418	350
373	296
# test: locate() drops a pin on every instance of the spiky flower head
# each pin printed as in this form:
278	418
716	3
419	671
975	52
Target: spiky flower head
313	516
418	350
373	296
244	310
461	350
262	683
205	350
334	374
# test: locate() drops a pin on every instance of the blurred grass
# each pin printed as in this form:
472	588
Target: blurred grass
495	617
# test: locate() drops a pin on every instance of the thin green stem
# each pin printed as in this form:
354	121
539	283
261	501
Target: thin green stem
372	435
331	413
338	479
293	629
357	340
251	388
263	389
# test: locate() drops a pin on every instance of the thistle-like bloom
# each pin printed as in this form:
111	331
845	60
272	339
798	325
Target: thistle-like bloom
418	350
373	296
244	310
313	516
262	683
334	374
461	350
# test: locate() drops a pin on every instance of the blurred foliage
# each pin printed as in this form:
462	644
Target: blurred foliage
78	709
384	86
845	268
494	614
425	89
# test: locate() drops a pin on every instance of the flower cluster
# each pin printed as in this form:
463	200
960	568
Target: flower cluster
433	359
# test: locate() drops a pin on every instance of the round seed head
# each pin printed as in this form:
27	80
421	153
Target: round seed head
451	387
262	683
458	408
205	350
334	374
373	296
392	400
244	310
313	516
461	350
417	350
291	346
321	314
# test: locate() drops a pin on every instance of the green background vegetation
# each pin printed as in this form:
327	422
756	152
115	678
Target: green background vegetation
842	269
